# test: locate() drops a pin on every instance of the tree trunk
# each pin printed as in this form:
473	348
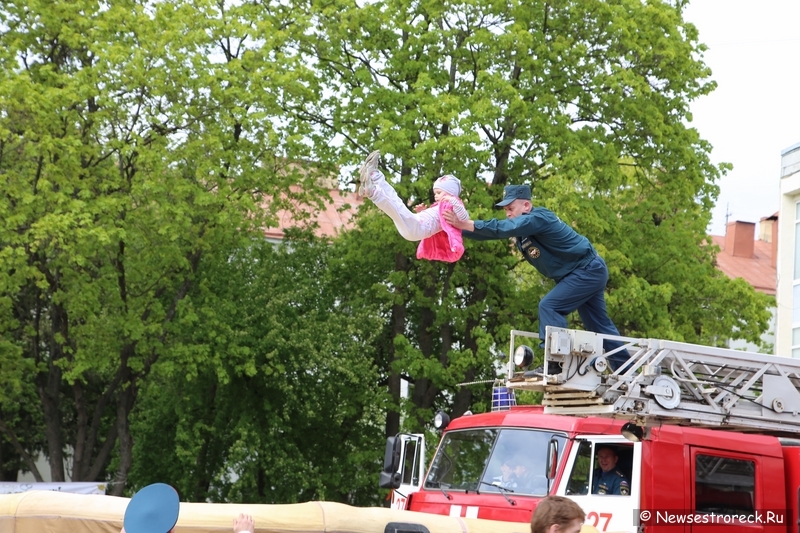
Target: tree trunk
79	449
9	463
398	327
124	405
11	473
463	397
49	388
204	471
52	421
425	391
125	401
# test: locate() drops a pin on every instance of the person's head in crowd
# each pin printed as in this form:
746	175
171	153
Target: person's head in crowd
154	509
557	514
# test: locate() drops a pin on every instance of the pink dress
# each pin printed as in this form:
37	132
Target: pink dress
446	245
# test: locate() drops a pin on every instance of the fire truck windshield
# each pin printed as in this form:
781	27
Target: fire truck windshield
493	460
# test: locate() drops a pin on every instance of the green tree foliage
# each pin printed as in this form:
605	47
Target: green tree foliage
134	138
138	139
586	101
284	404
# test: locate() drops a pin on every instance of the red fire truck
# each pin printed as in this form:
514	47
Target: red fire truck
707	439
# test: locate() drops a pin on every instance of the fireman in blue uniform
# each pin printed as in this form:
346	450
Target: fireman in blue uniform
607	478
558	252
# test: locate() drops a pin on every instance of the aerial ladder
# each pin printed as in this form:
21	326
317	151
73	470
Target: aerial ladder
663	382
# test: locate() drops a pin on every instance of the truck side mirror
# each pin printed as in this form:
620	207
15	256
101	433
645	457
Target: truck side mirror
390	477
390	481
552	459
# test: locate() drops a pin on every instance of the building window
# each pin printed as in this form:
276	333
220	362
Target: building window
796	286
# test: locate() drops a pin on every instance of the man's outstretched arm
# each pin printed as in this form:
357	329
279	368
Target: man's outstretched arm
467	227
482	230
451	217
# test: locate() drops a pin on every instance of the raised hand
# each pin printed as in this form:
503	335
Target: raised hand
244	523
451	217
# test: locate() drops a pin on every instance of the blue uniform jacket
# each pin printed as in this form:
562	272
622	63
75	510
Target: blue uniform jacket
546	242
611	482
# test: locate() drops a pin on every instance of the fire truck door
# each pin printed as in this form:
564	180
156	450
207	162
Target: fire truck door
412	468
603	476
724	492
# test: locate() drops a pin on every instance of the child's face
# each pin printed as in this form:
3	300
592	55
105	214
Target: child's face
438	194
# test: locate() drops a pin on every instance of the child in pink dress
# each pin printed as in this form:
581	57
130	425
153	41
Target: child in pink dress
438	239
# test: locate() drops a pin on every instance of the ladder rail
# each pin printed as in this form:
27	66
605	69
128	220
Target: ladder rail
667	381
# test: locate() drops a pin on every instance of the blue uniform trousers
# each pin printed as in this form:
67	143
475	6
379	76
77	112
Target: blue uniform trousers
583	290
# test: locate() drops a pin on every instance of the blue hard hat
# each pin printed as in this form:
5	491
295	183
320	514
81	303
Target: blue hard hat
154	509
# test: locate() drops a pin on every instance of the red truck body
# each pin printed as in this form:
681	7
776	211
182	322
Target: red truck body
688	479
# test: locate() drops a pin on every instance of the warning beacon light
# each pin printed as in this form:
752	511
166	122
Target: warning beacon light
502	398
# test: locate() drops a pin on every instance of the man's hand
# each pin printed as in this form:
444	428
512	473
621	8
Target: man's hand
244	523
451	217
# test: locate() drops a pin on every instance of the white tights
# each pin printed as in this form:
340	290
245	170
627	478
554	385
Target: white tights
412	226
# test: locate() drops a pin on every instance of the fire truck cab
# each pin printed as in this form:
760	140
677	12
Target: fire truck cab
677	474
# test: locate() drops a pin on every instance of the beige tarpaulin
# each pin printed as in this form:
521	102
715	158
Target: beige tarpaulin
55	512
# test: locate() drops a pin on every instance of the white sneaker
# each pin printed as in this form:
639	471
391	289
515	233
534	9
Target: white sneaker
370	164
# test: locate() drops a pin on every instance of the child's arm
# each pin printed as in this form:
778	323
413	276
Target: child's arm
459	209
457	205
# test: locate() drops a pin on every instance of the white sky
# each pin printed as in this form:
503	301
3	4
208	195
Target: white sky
754	114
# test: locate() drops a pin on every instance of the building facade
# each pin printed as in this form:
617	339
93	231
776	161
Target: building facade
788	294
744	255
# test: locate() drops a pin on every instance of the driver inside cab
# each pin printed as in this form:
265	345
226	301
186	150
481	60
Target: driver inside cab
607	478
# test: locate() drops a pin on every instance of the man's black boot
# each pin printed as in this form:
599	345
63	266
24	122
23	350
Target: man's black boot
553	369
